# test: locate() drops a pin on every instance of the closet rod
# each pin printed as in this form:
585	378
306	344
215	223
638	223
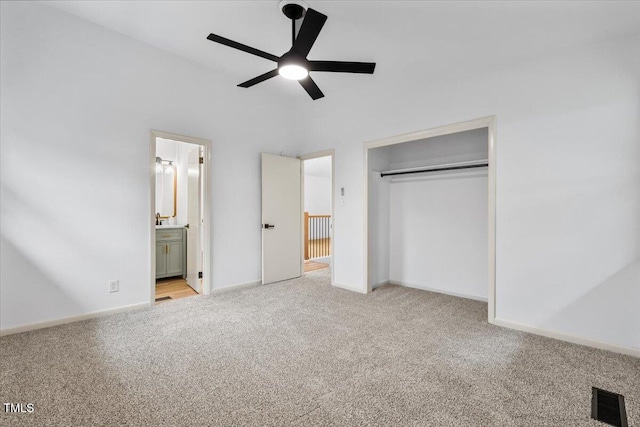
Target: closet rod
437	169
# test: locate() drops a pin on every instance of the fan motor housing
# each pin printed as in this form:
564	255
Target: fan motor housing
293	9
293	58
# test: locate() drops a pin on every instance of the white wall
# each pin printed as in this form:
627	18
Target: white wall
439	233
167	149
379	217
568	182
317	185
438	221
78	103
317	201
183	181
317	195
182	217
456	147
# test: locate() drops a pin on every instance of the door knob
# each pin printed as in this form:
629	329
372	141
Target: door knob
269	226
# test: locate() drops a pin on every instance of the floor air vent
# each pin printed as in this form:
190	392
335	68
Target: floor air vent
162	299
608	407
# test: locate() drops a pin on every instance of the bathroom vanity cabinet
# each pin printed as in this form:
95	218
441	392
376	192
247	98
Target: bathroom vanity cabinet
171	255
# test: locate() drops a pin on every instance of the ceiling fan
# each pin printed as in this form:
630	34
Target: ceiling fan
294	64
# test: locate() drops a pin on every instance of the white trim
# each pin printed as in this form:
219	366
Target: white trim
302	224
365	221
206	268
237	286
485	122
348	287
430	133
438	291
574	339
377	285
71	319
324	153
317	154
491	183
181	138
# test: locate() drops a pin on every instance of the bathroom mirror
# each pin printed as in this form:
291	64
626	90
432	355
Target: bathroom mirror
166	184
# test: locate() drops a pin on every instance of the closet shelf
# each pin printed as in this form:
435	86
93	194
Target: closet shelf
438	168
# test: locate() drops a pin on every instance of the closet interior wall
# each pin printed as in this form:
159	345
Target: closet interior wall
430	230
379	217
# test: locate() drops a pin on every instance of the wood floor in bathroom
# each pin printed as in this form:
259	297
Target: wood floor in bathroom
174	287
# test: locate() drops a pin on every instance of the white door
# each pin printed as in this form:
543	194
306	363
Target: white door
194	173
281	218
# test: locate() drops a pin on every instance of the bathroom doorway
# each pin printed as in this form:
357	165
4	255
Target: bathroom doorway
180	217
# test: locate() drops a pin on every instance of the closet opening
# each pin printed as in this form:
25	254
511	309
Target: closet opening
430	211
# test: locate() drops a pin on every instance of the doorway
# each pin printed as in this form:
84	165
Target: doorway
284	237
317	188
428	195
180	241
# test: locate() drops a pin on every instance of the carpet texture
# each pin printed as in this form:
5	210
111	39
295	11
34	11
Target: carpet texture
301	353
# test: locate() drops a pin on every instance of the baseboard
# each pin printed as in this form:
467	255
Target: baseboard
348	288
438	291
384	282
236	287
71	319
574	339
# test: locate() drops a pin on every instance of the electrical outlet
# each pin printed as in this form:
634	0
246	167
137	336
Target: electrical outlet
114	285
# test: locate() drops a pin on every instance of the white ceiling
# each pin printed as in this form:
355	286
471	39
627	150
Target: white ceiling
434	35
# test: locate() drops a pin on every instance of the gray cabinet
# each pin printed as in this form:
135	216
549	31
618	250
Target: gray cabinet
161	259
170	252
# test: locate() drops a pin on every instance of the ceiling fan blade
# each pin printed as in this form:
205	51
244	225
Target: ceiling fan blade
311	87
342	66
259	79
311	26
242	47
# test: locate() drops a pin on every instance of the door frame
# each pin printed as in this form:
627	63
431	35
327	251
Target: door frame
325	153
485	122
206	192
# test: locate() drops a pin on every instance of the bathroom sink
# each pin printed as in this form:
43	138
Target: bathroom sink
169	226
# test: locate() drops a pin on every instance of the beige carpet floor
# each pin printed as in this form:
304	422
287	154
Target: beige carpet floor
301	353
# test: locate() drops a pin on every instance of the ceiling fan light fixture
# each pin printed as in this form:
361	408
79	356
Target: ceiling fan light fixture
293	72
294	65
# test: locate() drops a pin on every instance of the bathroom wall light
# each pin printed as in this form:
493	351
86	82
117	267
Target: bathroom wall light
161	161
164	165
